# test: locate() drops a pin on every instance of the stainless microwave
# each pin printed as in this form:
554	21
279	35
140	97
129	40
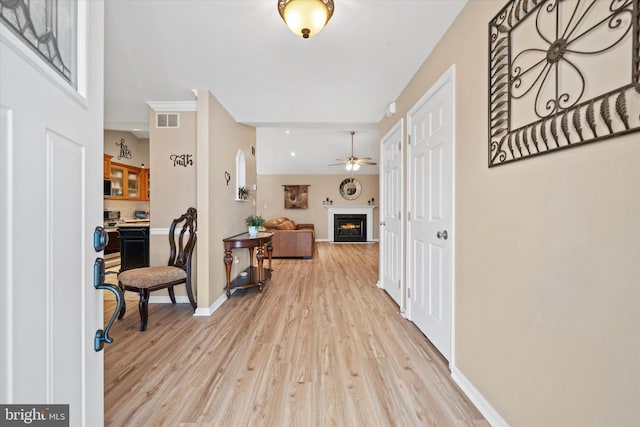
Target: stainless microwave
107	187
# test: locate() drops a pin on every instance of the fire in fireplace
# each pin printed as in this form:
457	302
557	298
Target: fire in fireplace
349	228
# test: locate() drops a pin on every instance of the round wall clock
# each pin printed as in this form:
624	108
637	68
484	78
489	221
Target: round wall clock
350	189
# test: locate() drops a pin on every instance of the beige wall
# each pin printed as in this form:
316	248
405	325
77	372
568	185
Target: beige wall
138	148
547	283
270	198
173	189
219	138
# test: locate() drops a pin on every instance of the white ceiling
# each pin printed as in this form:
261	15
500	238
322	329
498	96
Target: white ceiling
319	88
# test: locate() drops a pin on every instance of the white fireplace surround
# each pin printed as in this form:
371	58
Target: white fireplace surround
350	209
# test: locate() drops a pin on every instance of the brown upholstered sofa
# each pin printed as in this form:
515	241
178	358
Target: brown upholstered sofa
291	240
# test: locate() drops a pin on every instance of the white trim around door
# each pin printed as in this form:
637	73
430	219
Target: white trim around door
392	225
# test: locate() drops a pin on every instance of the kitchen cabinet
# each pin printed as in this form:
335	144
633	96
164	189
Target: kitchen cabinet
145	184
117	181
114	242
133	184
134	247
128	182
107	166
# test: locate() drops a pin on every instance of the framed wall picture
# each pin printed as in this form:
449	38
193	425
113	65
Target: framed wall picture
296	196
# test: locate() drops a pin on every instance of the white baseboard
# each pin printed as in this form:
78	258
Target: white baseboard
208	311
492	416
183	299
164	299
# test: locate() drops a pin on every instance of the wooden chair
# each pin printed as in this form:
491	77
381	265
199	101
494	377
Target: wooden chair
178	270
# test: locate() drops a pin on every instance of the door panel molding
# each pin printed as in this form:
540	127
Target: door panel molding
65	172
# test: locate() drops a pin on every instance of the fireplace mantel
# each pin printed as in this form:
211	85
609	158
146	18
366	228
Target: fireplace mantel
351	209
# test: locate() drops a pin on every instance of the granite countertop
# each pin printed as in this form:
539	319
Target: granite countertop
134	223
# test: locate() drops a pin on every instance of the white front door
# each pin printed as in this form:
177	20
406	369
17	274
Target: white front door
430	212
391	242
51	197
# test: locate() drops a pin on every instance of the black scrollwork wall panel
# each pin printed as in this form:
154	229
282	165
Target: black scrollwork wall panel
562	73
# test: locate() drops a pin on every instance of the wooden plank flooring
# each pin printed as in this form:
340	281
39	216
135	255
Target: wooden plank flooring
321	346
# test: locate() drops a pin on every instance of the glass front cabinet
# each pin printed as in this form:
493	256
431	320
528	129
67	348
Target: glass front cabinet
128	182
133	184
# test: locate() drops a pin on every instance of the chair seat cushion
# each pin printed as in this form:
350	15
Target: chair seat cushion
148	277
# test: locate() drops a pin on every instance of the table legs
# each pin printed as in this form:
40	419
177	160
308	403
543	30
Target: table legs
262	274
228	259
260	258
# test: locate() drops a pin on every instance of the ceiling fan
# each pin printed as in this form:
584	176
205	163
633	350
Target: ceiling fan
353	163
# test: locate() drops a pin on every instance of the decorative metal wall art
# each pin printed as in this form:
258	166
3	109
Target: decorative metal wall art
350	189
296	196
124	153
183	160
562	73
47	27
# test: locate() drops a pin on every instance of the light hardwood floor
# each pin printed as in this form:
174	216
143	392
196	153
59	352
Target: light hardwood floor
321	346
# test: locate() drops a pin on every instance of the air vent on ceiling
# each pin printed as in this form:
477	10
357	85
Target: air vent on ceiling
167	120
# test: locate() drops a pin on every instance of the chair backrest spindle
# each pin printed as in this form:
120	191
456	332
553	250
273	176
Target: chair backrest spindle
180	254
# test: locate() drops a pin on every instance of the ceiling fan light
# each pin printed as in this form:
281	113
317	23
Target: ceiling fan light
356	166
349	166
305	18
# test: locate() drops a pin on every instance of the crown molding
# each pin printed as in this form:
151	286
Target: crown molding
172	106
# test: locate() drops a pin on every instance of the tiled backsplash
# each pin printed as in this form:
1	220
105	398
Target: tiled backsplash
126	207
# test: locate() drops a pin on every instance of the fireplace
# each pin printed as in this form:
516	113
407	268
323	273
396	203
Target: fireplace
350	228
350	210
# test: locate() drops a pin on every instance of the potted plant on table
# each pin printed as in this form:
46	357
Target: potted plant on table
243	193
254	222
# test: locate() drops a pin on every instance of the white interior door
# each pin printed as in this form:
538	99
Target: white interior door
391	241
51	198
430	209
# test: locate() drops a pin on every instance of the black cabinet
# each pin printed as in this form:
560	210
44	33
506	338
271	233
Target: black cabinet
114	243
134	247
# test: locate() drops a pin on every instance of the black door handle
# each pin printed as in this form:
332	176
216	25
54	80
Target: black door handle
102	336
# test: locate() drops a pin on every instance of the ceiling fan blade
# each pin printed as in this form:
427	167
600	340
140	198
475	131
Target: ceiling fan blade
353	160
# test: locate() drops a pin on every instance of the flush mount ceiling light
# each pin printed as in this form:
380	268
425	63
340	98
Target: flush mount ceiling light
306	18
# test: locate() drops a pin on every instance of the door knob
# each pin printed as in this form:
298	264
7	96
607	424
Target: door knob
100	239
442	235
382	223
